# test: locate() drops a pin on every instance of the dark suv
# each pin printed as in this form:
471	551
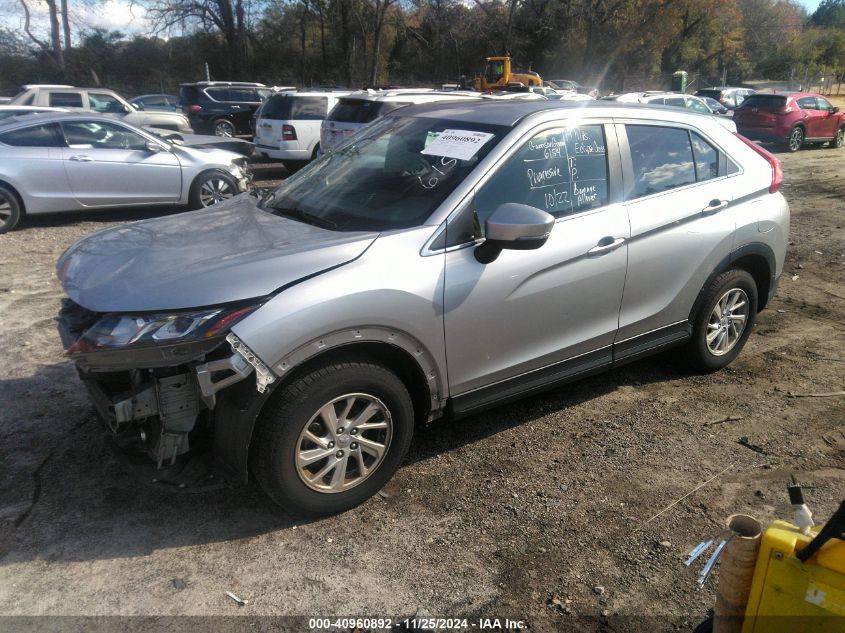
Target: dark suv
224	108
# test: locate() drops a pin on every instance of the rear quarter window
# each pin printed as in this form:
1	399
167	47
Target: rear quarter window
34	136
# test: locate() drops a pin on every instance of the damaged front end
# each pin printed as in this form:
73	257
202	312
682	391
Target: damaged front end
154	378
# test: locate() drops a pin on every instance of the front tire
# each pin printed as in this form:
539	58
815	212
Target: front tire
839	139
331	439
210	188
795	140
724	319
10	210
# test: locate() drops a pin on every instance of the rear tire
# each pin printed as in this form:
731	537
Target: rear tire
11	211
297	457
795	139
726	314
224	127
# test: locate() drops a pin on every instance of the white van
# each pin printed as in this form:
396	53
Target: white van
288	126
357	109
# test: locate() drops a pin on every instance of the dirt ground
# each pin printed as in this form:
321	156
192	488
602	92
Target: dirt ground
541	510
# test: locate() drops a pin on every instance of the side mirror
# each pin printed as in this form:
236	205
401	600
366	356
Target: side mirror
515	227
154	148
834	110
138	106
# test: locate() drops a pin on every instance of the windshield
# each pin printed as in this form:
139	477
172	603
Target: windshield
391	175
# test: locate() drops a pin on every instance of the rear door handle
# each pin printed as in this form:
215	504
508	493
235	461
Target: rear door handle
81	158
605	245
714	207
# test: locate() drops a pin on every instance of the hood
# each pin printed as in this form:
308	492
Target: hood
231	252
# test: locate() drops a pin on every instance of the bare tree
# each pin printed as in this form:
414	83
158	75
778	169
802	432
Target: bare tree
380	8
66	25
228	17
54	47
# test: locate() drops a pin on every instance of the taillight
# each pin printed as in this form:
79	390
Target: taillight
288	133
784	110
777	171
194	108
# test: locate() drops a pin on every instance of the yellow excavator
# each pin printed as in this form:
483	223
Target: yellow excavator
497	75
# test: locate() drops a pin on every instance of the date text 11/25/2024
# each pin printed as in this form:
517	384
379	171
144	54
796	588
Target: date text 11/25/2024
320	625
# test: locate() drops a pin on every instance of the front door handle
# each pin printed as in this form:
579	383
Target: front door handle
605	245
714	207
81	158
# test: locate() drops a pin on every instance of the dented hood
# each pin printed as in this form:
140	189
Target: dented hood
231	252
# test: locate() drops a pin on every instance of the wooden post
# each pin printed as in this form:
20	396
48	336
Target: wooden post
736	570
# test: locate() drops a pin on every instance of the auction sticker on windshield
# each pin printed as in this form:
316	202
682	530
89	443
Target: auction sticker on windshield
460	144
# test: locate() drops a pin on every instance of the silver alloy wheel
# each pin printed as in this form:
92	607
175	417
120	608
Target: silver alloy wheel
727	322
215	189
796	137
5	210
840	138
224	128
344	443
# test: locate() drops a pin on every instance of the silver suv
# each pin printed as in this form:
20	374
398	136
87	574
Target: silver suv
445	259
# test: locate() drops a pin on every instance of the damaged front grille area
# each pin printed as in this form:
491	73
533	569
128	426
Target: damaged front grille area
156	410
156	399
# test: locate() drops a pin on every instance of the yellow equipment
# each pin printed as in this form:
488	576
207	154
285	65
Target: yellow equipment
497	75
788	595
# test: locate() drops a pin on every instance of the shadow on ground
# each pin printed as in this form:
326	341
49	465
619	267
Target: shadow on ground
82	503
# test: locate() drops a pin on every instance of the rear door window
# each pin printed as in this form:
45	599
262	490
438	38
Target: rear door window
247	95
34	136
661	157
677	102
66	100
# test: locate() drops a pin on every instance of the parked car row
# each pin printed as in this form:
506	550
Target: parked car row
292	126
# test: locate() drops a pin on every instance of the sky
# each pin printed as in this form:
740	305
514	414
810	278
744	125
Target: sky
120	15
114	15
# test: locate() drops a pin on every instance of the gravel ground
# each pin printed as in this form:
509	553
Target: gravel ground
542	510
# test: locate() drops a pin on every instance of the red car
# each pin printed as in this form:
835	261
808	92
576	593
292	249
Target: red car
791	119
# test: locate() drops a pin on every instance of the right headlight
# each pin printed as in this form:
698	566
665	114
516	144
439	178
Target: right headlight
119	331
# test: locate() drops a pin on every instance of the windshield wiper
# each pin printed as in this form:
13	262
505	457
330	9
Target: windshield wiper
305	216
